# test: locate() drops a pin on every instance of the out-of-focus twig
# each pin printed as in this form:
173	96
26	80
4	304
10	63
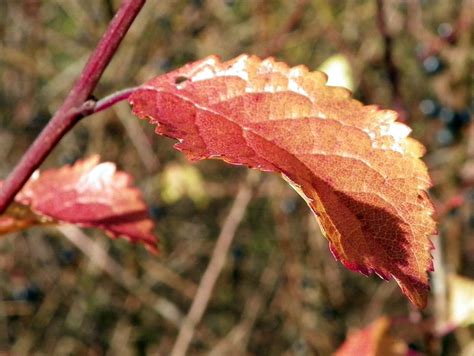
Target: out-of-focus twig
293	21
139	139
237	339
330	276
377	301
293	288
438	281
433	43
213	270
101	259
393	72
156	271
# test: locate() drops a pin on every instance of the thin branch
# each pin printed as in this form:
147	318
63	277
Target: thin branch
237	339
392	70
99	257
112	99
440	288
432	43
209	279
138	138
72	108
292	23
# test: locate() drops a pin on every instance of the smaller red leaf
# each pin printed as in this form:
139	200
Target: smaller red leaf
373	340
87	194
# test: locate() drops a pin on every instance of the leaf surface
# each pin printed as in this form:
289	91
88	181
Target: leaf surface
87	194
353	164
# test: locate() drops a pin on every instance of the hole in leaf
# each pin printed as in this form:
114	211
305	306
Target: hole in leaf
180	79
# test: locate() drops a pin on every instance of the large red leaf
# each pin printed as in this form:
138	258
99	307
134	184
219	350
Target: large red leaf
87	194
354	165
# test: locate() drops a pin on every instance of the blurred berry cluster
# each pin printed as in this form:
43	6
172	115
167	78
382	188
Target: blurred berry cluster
453	120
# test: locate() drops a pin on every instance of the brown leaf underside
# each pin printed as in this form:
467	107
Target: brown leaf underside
87	194
353	164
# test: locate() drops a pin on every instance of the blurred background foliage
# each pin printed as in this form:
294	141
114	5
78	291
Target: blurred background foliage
67	291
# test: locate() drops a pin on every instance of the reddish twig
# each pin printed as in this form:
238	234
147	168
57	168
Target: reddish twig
92	106
75	106
112	99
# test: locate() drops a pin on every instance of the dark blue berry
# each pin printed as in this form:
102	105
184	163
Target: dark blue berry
30	293
289	205
445	30
445	137
432	65
446	115
157	211
458	121
429	107
67	257
238	253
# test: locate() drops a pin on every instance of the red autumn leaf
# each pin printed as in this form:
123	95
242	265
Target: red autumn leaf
354	165
87	194
373	340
